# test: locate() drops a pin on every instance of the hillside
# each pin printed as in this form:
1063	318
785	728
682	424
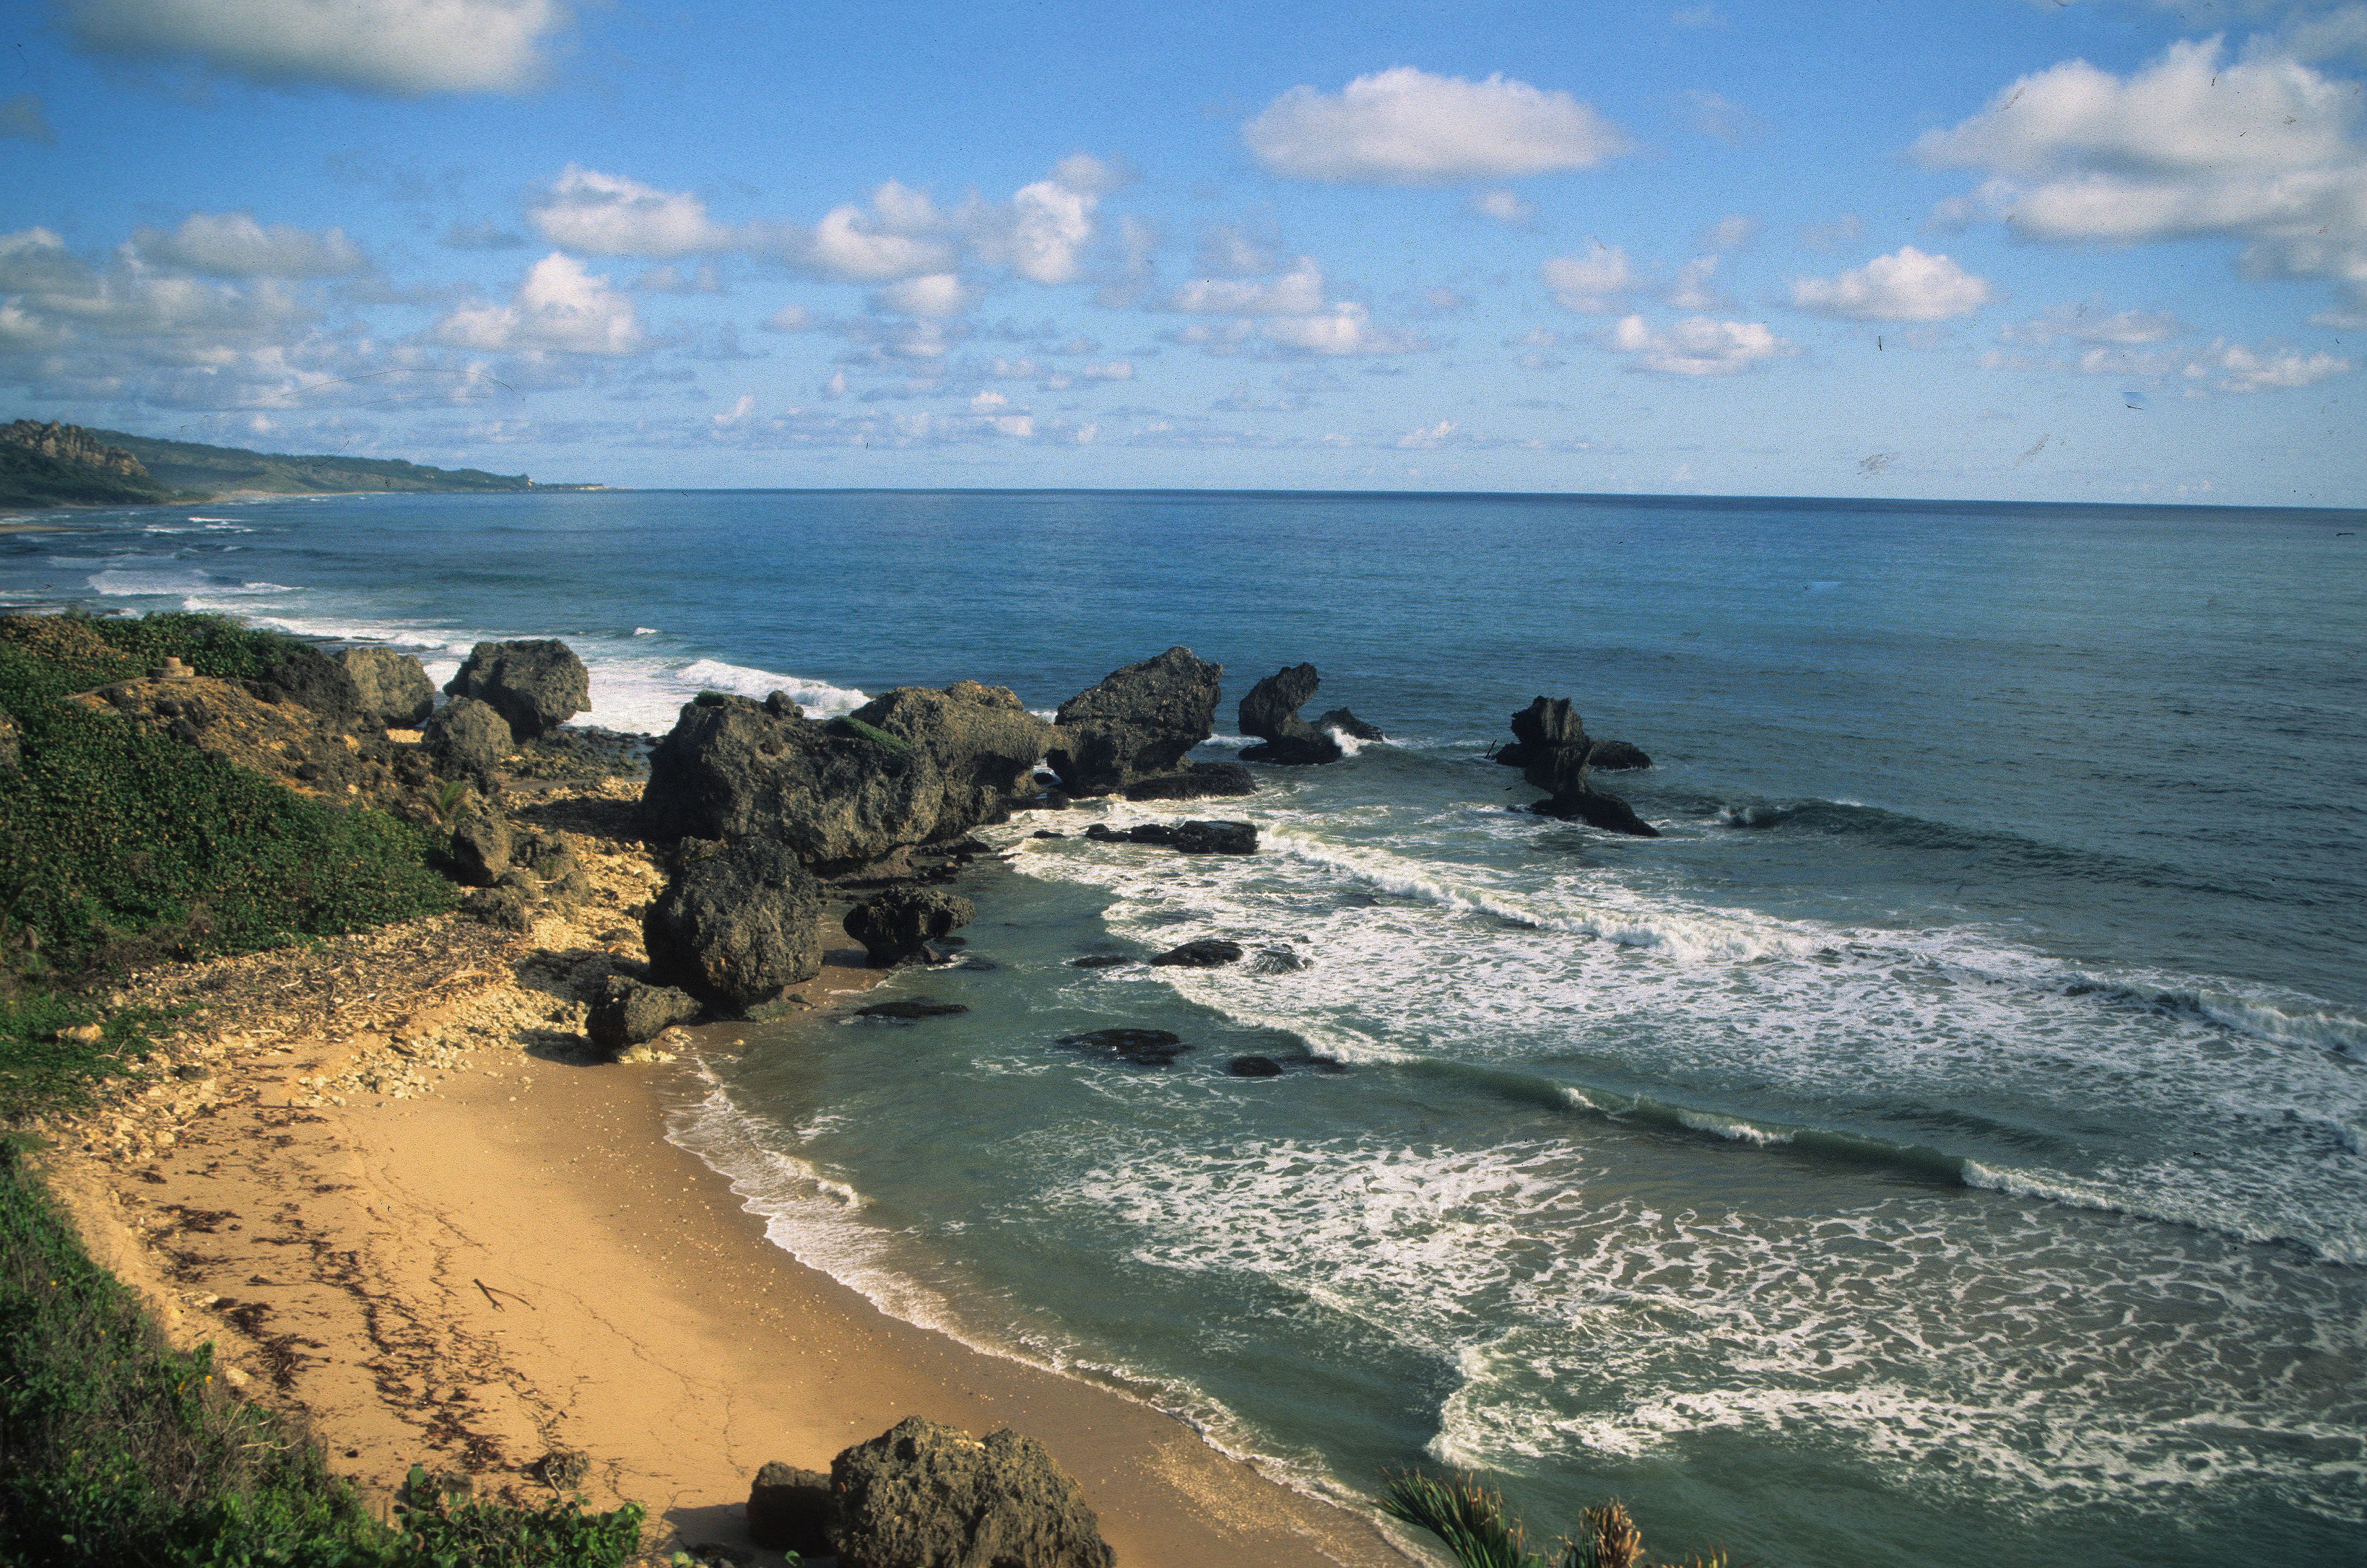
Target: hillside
65	465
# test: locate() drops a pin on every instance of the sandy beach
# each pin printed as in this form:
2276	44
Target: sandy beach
380	1176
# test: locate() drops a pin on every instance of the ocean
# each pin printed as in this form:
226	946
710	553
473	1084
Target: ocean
1942	1145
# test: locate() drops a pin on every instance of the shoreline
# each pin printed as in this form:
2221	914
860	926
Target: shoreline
499	1252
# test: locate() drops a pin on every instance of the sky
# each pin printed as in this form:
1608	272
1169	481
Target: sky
2056	250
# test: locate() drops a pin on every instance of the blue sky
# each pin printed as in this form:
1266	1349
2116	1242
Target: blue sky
2104	250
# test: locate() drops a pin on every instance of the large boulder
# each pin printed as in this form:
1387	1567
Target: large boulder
901	922
737	923
926	1495
392	690
1136	722
537	684
625	1014
1549	725
913	767
306	676
480	847
1552	751
1270	712
791	1510
466	738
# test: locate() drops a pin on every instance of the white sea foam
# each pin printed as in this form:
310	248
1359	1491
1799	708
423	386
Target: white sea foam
819	699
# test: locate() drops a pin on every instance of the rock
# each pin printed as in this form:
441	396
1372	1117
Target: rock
898	924
908	1010
509	908
1615	756
466	738
80	1034
1136	722
481	846
626	1013
736	923
1548	726
1553	753
1190	838
1270	712
926	1495
535	684
913	767
392	690
1254	1068
791	1510
1142	1047
1196	781
1208	952
311	679
1047	833
1100	961
1341	722
1276	960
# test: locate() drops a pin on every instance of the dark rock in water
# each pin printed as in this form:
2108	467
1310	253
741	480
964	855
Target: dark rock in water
913	767
1136	722
311	679
1195	781
1047	833
391	690
736	923
1548	725
1326	1064
480	847
1193	838
1616	756
791	1510
1271	713
1553	753
1341	721
926	1495
905	1010
1143	1047
1208	952
537	684
466	738
1254	1068
1276	960
626	1013
900	924
1100	961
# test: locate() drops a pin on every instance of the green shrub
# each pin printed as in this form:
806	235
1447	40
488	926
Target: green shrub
40	1072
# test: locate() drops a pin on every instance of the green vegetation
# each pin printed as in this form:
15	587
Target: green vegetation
1478	1533
53	1049
115	1448
187	465
855	727
33	479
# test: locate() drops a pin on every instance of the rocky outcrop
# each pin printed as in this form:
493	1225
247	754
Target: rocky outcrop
1340	721
1208	952
391	690
466	737
1552	751
912	767
791	1510
305	675
926	1495
1193	838
899	925
737	923
537	684
625	1014
1138	722
1549	725
480	847
1195	781
1136	1047
1616	756
73	443
1270	712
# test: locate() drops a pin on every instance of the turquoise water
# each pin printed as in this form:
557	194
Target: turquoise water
1943	1145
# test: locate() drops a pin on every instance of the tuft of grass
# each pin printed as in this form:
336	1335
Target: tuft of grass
1479	1532
854	727
47	1065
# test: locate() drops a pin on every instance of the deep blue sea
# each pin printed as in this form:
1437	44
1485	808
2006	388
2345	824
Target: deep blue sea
1943	1145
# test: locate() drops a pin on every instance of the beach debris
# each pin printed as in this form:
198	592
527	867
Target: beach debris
1553	752
562	1469
1196	781
537	684
908	1009
923	1494
896	925
1134	722
392	690
625	1014
736	923
791	1510
1142	1047
1197	836
1207	953
1270	712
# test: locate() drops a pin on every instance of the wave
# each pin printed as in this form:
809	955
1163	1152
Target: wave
817	698
193	587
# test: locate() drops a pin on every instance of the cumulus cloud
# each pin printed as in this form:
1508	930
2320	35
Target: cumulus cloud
404	47
1041	232
1504	206
1407	127
937	295
1728	234
1296	292
2093	321
1695	288
1906	285
2193	145
899	235
2232	368
559	307
1592	284
1698	345
21	118
232	244
1226	252
608	215
1345	328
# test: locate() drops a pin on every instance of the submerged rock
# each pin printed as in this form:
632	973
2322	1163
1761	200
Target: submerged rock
907	1009
1135	723
1270	712
898	924
1100	961
1197	781
791	1510
535	684
392	690
1142	1047
1254	1068
626	1013
736	923
1208	952
927	1495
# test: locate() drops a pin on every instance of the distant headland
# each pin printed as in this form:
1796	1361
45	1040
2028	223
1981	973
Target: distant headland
66	465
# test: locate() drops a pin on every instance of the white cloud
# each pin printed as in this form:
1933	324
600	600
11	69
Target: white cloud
2259	149
1296	292
232	244
608	215
1427	437
559	307
1115	370
1226	252
1906	285
1504	206
1728	234
1407	127
1697	346
21	118
1591	284
2241	369
1347	328
1039	235
897	236
404	47
938	295
1694	288
2092	322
